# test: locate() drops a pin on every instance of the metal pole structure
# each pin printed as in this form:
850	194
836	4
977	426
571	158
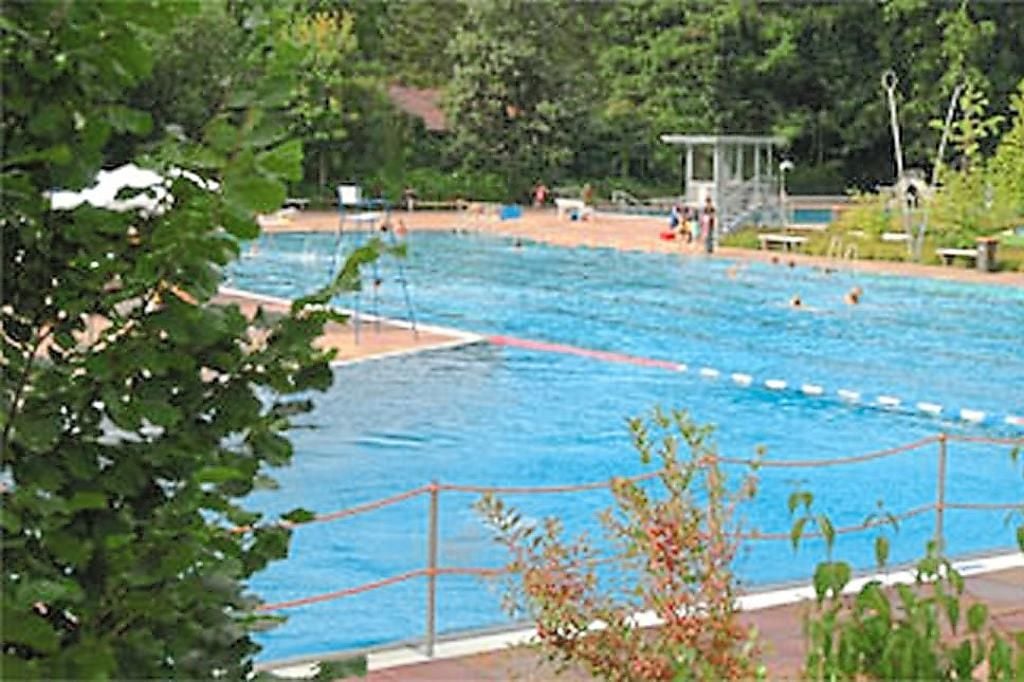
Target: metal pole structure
688	181
758	200
432	570
939	154
945	133
940	495
889	82
716	200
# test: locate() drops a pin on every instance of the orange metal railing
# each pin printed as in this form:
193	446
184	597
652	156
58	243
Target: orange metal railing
432	570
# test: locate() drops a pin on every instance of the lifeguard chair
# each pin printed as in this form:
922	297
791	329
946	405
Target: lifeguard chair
358	220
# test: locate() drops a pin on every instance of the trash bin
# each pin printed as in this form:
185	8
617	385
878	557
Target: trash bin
987	253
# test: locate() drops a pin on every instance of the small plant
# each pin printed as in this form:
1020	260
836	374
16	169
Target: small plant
673	556
867	213
919	631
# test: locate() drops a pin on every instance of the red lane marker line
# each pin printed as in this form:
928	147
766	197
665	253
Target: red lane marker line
606	356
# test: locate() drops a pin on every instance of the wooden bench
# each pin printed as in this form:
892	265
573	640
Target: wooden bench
788	242
296	202
949	255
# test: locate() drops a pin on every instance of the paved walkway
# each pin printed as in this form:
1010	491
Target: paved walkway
781	629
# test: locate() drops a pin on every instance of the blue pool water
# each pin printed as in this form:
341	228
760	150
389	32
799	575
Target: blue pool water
820	216
502	416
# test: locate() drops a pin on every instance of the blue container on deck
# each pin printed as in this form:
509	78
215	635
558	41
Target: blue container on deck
510	212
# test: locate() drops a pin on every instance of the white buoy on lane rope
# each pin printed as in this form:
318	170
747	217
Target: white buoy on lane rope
973	416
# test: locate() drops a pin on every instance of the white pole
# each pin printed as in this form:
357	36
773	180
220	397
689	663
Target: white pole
689	173
889	82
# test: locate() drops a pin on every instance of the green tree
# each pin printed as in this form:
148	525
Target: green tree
416	50
656	74
196	66
513	101
134	414
1006	168
319	104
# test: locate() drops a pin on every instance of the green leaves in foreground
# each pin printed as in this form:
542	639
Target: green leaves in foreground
136	415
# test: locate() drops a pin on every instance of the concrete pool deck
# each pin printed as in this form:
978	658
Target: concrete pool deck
629	233
379	337
777	614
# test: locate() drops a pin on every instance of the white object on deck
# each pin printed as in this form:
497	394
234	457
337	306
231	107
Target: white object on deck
567	206
349	195
895	236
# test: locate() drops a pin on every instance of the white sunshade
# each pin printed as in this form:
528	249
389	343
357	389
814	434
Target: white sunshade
154	198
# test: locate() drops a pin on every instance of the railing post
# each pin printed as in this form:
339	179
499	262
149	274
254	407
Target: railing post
432	570
940	496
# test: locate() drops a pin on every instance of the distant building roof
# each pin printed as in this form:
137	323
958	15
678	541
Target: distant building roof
423	103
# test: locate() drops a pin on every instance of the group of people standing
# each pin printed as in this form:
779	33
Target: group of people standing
691	225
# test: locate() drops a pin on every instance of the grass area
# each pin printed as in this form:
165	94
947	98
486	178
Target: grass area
1009	257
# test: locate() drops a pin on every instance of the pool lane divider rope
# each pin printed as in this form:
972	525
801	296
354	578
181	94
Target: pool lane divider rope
882	401
462	338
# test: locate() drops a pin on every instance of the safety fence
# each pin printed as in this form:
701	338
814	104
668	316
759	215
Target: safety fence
432	571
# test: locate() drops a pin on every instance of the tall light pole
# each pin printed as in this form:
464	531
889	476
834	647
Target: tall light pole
784	167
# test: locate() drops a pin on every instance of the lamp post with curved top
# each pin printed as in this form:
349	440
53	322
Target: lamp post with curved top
784	167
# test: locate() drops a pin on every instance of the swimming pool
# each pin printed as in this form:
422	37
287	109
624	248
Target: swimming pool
492	415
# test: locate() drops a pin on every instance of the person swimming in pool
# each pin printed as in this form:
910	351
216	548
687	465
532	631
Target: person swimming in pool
852	296
796	302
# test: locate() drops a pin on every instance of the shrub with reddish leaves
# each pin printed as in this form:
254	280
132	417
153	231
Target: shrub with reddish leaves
666	608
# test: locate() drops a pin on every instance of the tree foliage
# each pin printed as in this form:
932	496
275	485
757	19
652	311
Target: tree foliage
593	85
511	98
135	415
319	103
924	630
